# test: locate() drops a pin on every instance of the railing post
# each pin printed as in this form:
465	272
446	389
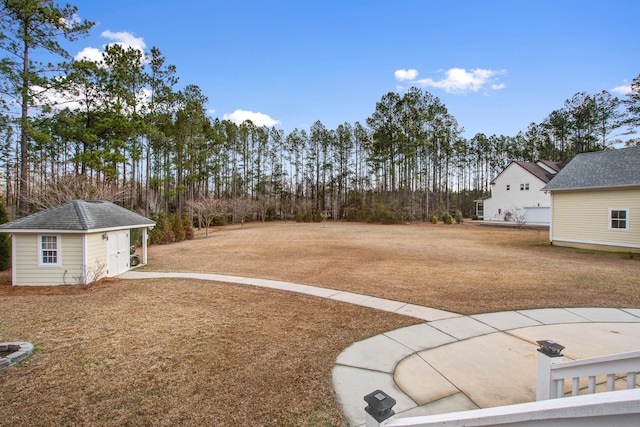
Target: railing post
549	353
379	408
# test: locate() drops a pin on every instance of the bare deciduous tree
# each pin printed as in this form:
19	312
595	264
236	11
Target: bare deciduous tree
75	187
242	208
207	210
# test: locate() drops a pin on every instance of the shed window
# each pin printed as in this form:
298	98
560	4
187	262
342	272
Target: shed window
49	251
619	219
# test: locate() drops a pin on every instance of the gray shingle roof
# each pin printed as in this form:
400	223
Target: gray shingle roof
80	215
600	169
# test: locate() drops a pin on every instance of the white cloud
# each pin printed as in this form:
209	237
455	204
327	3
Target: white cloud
258	119
458	80
69	23
89	53
125	39
404	75
622	90
211	111
56	99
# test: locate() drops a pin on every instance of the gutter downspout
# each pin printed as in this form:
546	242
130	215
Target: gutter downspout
14	269
85	265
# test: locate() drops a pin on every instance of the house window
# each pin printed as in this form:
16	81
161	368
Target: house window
524	187
508	187
618	219
49	251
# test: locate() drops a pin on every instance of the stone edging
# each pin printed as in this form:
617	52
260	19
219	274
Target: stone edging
24	350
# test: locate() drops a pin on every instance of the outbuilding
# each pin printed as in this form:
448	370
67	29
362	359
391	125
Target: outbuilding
78	242
595	201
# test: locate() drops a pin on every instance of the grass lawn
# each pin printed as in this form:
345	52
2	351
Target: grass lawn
184	352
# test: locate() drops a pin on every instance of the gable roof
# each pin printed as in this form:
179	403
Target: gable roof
534	169
79	216
599	169
554	166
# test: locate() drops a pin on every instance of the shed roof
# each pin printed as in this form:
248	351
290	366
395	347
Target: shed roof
599	169
78	216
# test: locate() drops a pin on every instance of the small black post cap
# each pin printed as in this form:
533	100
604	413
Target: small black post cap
380	404
550	348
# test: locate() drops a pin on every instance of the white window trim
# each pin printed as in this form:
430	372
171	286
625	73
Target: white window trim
58	248
626	220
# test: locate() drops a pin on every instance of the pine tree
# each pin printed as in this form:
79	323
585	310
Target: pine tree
189	232
177	228
5	239
30	28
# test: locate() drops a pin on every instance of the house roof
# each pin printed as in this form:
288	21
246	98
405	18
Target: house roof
79	216
534	169
554	166
600	169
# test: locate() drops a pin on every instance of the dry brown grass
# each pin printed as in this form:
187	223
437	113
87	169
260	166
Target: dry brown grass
178	352
462	268
183	352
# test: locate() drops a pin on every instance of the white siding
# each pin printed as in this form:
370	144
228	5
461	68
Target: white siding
28	272
503	200
583	217
96	257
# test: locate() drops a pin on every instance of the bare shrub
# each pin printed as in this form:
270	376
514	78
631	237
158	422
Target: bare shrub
90	275
66	188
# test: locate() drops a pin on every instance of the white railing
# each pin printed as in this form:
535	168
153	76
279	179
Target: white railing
586	374
619	408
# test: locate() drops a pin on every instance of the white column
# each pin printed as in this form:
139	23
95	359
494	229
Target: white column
544	386
144	245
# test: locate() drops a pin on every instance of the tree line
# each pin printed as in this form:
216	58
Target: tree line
121	130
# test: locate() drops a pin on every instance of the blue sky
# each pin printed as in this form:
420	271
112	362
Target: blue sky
496	65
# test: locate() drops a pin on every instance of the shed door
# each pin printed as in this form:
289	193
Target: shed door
117	252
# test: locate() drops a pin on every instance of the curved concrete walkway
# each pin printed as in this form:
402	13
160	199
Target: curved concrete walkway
453	362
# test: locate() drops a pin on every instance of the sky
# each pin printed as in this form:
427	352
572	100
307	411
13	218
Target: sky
496	65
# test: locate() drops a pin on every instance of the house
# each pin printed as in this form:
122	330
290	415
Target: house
516	195
596	201
75	243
